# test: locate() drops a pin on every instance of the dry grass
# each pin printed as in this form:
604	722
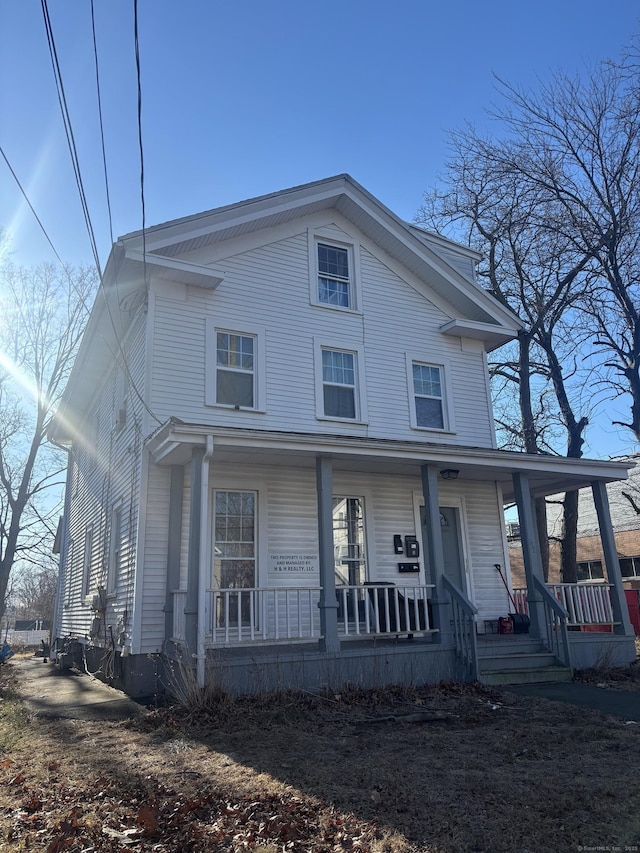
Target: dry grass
444	769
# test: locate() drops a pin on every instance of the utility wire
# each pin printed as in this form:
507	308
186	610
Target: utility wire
76	167
69	132
104	155
26	198
138	77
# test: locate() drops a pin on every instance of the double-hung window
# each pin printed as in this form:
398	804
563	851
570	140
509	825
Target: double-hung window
429	394
334	280
235	369
339	384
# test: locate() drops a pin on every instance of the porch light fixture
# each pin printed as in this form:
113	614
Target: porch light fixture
449	473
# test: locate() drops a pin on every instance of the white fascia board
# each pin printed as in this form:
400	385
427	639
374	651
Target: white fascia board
171	269
493	336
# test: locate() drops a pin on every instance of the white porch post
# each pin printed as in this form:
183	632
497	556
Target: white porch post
193	561
530	552
432	545
618	601
176	489
328	603
203	572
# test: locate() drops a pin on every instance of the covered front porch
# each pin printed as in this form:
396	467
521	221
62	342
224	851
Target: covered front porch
431	621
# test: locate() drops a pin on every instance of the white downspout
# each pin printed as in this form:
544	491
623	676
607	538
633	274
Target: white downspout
204	572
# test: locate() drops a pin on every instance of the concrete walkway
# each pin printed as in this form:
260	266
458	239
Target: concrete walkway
618	703
52	694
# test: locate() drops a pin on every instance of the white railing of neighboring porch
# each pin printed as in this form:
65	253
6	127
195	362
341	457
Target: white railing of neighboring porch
586	603
245	616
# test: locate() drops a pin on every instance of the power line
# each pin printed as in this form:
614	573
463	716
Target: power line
26	198
136	42
104	155
57	73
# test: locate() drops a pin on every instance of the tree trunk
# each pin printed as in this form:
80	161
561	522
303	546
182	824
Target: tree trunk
569	545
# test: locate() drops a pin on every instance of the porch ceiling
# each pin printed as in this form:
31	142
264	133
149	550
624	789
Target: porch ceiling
173	443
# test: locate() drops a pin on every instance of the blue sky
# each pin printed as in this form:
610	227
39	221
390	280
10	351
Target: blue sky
245	97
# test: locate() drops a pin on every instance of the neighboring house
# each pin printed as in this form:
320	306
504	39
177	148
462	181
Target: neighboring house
282	457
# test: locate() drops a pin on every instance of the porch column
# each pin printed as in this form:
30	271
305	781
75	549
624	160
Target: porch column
432	546
618	600
193	562
328	603
176	489
531	555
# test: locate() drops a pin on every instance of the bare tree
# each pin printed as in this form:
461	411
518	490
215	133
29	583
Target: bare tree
42	315
34	589
539	272
582	138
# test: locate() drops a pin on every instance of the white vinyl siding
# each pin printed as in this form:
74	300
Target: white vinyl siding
97	487
265	293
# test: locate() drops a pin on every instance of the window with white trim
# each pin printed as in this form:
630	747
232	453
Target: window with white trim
630	567
235	373
115	548
334	279
339	384
590	570
429	395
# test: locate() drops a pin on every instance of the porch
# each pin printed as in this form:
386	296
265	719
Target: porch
428	621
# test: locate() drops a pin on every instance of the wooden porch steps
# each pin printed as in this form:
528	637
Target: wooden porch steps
518	659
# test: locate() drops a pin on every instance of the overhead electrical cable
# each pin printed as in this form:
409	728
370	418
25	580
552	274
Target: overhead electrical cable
26	198
104	154
140	146
69	132
83	200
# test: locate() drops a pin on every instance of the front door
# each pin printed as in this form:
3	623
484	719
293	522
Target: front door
452	547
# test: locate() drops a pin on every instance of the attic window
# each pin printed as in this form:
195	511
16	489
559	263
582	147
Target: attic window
334	282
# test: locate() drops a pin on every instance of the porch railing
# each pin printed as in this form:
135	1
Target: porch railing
464	629
255	615
556	624
586	603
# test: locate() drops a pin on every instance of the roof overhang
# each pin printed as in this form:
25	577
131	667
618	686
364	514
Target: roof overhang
173	443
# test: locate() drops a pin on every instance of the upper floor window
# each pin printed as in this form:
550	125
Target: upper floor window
430	405
334	266
334	281
235	376
339	383
427	389
87	559
235	373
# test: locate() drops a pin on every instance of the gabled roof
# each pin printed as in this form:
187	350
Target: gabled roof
160	252
480	315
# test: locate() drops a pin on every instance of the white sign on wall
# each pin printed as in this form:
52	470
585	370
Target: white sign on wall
293	564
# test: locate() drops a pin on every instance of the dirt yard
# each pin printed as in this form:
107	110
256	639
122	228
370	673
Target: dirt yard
441	770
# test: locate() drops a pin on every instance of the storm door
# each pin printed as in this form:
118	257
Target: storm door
234	561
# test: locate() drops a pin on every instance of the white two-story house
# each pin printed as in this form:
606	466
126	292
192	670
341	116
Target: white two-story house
282	459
